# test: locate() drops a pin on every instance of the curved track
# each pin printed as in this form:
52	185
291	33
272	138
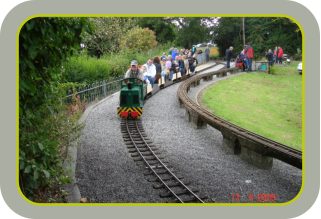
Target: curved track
266	147
132	130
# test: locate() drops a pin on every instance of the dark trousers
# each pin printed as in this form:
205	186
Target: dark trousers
192	68
207	57
227	63
280	60
249	61
182	71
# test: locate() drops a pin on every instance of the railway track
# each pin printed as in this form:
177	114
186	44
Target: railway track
266	147
145	153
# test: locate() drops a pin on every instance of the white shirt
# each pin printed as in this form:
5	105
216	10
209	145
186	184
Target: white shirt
151	70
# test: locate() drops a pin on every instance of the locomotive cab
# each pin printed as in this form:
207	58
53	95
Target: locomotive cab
131	98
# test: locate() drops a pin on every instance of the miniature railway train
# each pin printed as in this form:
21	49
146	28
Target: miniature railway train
134	91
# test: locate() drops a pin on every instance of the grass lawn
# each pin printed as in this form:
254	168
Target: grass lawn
213	50
269	105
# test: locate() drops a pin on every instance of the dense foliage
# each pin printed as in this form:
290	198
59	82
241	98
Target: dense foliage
107	33
138	39
262	33
229	33
82	68
44	43
163	28
193	30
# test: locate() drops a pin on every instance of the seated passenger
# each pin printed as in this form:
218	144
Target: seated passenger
185	64
151	71
164	68
169	64
157	64
190	62
134	71
181	65
144	69
195	62
177	63
163	56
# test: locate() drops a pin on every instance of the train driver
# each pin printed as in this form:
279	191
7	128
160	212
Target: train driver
134	71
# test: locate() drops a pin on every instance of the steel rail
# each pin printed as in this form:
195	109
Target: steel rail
161	163
182	94
167	169
140	154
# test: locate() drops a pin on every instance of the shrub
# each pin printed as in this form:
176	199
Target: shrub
138	39
298	55
44	137
272	69
82	68
44	129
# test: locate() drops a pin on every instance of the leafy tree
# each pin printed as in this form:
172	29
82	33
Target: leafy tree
138	39
107	32
193	29
44	43
162	27
262	33
229	33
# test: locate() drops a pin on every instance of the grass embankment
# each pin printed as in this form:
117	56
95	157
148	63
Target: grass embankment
269	105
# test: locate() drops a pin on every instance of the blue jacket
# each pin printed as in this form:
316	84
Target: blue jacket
174	54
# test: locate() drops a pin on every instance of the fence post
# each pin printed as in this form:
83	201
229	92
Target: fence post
104	83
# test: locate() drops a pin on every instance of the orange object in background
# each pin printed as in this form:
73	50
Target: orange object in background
213	51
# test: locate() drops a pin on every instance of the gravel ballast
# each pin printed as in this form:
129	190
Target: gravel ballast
106	173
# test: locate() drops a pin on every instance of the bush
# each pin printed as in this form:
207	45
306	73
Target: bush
138	39
44	136
85	69
298	55
44	129
272	69
82	68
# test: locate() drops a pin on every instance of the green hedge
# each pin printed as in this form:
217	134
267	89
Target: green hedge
83	68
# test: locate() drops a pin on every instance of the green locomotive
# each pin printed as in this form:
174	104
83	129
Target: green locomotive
131	98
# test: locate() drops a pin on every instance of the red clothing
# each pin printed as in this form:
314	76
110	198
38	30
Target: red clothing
275	52
280	53
248	52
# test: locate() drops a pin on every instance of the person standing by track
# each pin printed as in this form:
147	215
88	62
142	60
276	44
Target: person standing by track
269	56
207	52
170	51
248	52
276	54
229	55
280	56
